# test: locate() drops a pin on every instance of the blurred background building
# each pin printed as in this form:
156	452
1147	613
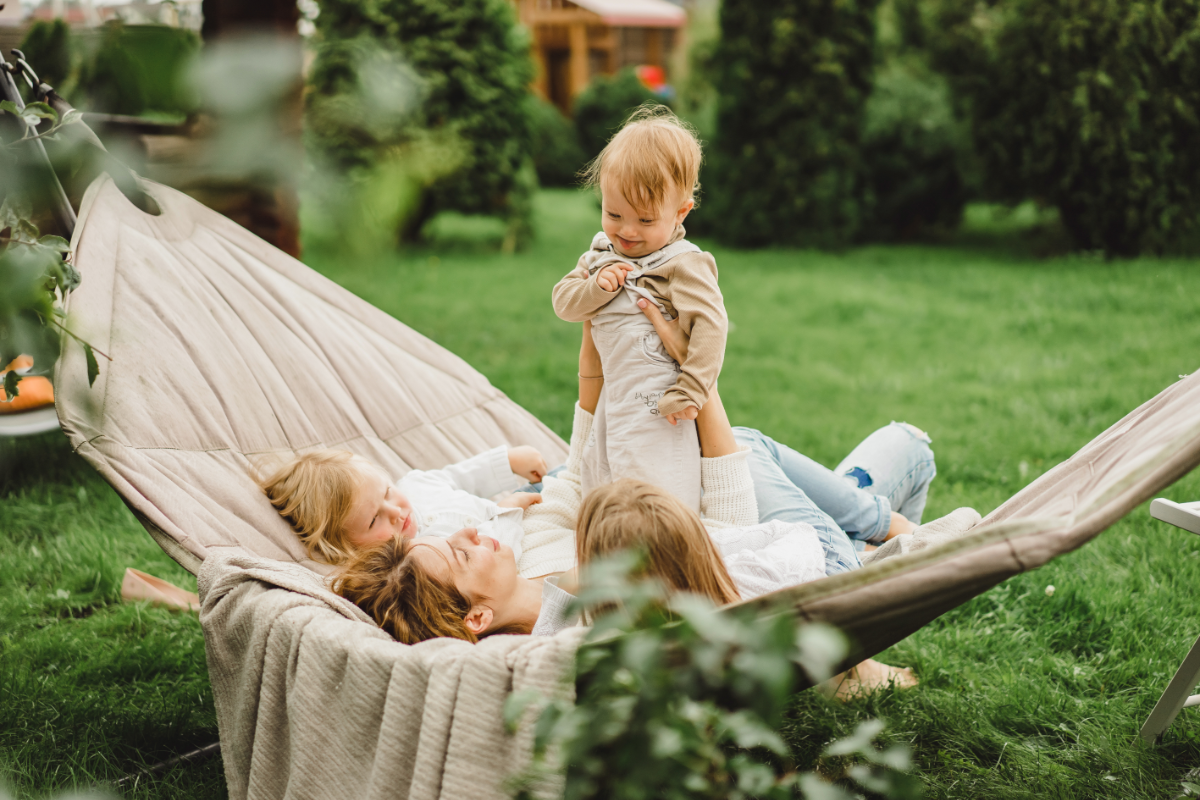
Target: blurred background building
576	40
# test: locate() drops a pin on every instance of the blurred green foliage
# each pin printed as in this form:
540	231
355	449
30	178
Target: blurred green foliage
1092	107
557	155
129	69
474	69
604	105
678	699
35	269
916	153
48	49
793	79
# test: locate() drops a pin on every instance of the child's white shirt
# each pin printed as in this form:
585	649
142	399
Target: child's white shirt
446	500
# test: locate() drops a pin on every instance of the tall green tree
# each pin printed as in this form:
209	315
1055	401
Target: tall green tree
1090	105
793	77
473	67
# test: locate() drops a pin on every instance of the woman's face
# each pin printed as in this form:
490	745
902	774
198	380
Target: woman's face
484	570
379	510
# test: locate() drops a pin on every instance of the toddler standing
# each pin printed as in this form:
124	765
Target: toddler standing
648	175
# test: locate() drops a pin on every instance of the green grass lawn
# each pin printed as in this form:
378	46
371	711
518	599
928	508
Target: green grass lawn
1011	362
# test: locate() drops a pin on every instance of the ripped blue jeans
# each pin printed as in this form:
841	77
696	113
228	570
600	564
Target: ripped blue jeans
852	504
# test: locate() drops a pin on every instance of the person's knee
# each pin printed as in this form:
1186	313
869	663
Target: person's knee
918	442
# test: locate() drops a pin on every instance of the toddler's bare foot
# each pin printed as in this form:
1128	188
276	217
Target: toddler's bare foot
866	678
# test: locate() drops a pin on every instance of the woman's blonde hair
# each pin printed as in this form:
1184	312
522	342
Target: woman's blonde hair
653	160
314	493
630	514
404	598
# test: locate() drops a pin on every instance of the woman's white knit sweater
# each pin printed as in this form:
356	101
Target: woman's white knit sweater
549	543
760	557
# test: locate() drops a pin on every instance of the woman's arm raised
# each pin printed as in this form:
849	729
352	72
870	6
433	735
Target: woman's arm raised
712	423
591	371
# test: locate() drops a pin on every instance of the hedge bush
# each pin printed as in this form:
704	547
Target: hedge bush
557	155
131	69
1090	105
915	151
604	105
793	77
49	49
474	65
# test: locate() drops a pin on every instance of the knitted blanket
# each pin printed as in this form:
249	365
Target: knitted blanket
314	701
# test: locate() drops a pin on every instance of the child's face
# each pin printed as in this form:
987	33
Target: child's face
379	510
635	234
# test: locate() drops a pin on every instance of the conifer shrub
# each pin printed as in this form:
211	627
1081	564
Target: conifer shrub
138	68
793	78
1092	107
49	49
605	104
557	155
474	69
916	154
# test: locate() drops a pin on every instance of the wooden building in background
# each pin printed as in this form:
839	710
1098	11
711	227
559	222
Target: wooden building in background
574	40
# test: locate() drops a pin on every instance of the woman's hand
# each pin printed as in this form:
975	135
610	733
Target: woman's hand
675	340
527	462
521	500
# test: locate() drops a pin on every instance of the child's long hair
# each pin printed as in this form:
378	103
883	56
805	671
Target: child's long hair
654	160
314	493
630	514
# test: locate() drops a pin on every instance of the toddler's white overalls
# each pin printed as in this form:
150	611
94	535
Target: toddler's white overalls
630	439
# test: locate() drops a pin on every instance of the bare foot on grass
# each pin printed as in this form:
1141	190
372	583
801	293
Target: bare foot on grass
866	678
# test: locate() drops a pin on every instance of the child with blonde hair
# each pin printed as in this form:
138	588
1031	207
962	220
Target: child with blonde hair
338	502
648	175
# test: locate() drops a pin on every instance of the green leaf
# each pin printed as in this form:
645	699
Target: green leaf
92	366
816	789
69	279
41	111
11	378
858	742
27	231
72	116
10	107
56	243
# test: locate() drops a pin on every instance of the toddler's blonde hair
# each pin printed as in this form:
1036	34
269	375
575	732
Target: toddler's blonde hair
314	493
654	160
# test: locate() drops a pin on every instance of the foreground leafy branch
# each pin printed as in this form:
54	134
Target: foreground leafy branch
35	270
678	699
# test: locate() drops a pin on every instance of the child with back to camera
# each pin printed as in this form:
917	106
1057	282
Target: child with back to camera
648	175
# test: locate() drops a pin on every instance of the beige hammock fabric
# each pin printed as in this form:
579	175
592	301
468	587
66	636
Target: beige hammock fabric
1149	449
226	350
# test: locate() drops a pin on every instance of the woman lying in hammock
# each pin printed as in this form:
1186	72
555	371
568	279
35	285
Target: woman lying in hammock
468	585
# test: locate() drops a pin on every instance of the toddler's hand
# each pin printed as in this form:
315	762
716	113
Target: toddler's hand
527	462
691	412
521	500
612	277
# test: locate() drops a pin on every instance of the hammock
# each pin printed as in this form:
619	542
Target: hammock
226	350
